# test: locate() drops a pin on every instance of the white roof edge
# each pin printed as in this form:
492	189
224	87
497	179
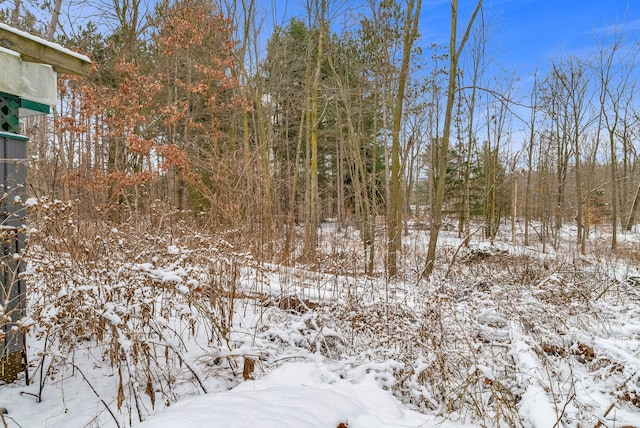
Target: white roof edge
9	52
45	42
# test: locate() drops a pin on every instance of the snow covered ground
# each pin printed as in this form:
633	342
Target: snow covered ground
305	394
162	332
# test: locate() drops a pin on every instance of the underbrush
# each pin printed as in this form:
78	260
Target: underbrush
497	338
135	304
506	340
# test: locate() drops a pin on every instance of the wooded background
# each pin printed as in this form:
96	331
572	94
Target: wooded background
195	111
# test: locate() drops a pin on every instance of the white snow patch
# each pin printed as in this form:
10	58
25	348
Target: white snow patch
536	408
113	318
296	395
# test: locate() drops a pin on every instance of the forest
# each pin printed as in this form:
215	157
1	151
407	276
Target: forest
193	111
339	170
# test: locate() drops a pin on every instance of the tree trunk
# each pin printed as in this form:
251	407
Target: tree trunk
634	210
394	242
311	231
442	150
614	189
530	147
53	22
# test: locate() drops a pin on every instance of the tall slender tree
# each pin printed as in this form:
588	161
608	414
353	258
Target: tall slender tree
530	149
442	148
395	183
311	226
614	67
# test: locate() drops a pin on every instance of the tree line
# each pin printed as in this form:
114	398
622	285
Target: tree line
199	110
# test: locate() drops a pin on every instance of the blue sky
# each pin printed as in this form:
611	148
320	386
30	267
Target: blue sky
526	34
532	32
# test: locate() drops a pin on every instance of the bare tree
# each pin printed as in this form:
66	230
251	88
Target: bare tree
613	67
311	224
396	203
439	177
497	120
567	107
55	19
476	57
530	158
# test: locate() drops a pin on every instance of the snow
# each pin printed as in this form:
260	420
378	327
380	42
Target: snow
9	52
502	342
42	41
537	409
112	318
535	405
295	395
